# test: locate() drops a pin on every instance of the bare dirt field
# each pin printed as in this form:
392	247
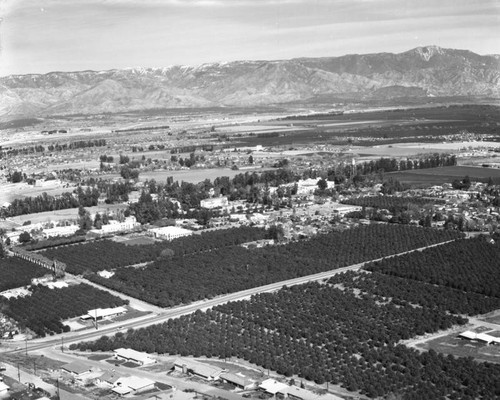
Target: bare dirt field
12	191
60	215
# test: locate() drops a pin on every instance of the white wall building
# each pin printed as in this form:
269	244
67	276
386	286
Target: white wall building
169	232
134	356
214	202
60	231
114	226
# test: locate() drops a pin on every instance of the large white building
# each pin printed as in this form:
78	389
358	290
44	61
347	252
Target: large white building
60	231
169	232
134	356
100	313
214	202
343	209
114	226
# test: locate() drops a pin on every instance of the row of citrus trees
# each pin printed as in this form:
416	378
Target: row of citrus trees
44	310
195	276
343	332
16	272
108	254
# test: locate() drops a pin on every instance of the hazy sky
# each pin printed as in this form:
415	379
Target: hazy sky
38	36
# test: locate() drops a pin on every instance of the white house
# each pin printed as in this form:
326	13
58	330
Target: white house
101	313
109	379
238	380
202	370
60	231
77	369
169	232
272	386
132	385
134	356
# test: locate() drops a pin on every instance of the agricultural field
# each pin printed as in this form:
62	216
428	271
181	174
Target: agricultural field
110	254
391	203
193	276
45	308
438	176
342	331
470	265
16	272
424	125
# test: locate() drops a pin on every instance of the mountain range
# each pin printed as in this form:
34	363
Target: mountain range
420	72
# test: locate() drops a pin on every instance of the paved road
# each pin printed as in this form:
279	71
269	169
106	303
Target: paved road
51	345
27	377
176	312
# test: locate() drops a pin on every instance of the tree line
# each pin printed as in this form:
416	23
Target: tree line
80	144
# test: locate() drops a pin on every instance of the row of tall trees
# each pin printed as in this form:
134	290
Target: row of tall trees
79	144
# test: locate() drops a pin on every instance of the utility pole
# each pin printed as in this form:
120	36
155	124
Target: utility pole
34	366
57	384
62	344
18	373
26	347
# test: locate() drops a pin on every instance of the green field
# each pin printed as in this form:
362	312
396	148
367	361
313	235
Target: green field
438	176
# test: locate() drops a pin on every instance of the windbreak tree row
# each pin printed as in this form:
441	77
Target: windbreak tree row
392	204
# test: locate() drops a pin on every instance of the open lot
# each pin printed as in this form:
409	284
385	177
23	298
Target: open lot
194	175
59	215
12	191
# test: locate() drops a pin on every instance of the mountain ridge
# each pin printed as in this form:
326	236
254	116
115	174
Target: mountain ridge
424	71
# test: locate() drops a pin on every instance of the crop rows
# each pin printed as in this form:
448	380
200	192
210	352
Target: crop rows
329	333
467	265
16	272
183	279
43	311
108	254
404	291
393	204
